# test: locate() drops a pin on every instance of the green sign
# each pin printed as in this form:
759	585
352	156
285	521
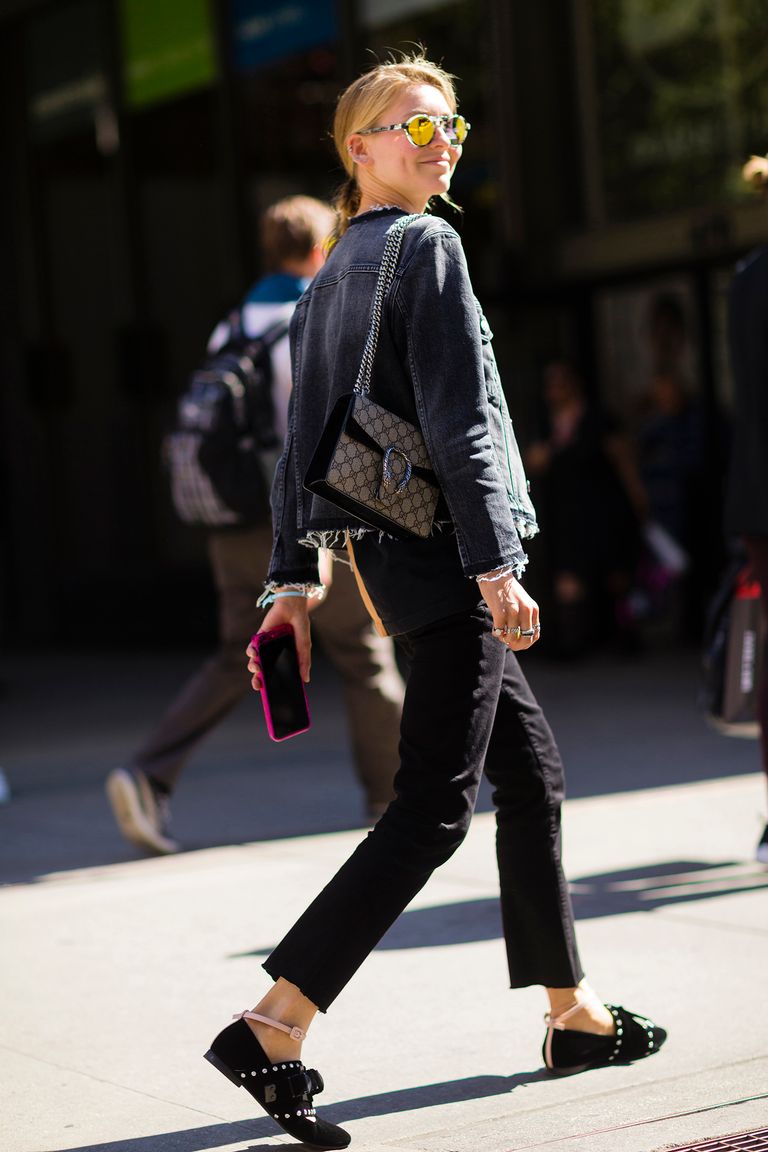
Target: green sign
167	48
65	68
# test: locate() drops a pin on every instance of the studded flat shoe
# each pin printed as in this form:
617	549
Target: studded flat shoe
284	1089
566	1051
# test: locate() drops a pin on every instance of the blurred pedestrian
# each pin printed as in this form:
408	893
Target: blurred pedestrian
583	461
747	492
670	445
293	235
452	599
680	456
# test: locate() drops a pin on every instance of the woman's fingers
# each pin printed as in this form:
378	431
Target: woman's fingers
517	637
515	614
291	611
254	668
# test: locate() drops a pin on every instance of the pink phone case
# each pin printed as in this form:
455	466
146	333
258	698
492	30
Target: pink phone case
279	700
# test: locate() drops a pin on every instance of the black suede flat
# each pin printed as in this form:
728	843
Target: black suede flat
283	1089
567	1051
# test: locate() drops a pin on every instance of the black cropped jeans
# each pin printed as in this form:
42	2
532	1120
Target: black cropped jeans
467	708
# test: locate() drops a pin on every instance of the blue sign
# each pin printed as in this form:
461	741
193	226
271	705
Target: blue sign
265	31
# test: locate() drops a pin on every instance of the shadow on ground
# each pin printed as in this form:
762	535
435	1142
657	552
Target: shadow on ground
606	894
386	1104
68	719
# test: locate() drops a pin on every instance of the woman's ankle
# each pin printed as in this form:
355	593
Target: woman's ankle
585	1011
277	1045
284	1004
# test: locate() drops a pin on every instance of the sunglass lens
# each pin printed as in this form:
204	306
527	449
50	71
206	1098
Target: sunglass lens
458	129
421	130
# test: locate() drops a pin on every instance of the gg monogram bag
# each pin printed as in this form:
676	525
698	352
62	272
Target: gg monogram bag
370	462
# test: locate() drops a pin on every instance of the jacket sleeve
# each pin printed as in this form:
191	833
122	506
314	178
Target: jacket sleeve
436	302
291	562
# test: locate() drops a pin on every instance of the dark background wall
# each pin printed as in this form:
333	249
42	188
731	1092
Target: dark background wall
601	169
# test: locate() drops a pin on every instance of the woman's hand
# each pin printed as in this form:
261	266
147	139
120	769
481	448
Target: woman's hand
515	614
293	610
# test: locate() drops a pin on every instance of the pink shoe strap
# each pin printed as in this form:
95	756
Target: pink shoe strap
294	1033
559	1021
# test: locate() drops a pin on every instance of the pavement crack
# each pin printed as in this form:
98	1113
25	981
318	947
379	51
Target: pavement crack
112	1083
616	1092
643	1122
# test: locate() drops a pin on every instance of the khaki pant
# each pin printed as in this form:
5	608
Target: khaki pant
373	688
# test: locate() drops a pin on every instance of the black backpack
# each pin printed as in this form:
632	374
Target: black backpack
222	453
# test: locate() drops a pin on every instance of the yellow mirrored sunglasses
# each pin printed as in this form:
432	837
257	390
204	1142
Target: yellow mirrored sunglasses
420	129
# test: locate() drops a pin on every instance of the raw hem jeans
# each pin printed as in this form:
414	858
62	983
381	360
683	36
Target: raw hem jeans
467	707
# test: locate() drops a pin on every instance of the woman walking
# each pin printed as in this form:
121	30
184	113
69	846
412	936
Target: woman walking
452	600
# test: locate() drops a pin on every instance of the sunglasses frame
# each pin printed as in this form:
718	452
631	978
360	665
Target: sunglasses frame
434	120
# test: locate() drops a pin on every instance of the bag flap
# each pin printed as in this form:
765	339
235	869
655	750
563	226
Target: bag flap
390	431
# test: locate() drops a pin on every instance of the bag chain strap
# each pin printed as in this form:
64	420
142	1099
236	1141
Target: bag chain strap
386	275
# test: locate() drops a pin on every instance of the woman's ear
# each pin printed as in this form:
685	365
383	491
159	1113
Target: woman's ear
357	149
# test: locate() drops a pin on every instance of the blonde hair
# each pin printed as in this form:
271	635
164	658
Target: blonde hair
291	228
362	103
755	173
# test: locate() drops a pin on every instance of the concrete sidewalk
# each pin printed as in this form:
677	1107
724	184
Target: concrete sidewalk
117	971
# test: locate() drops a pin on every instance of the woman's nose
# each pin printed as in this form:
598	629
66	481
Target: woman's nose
444	136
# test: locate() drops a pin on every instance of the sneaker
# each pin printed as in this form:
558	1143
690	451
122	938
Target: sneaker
761	854
141	810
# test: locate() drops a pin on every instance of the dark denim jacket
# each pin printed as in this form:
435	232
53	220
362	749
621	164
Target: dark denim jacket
434	366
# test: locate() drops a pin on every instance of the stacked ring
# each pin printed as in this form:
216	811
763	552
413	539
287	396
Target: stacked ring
517	632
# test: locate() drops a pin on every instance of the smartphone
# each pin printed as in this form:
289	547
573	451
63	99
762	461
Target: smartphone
283	695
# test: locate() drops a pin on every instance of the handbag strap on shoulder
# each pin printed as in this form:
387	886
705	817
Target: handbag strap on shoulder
386	275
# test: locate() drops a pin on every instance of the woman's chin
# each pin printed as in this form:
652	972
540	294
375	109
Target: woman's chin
439	186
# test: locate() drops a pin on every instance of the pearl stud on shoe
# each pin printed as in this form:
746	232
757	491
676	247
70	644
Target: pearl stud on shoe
283	1088
567	1051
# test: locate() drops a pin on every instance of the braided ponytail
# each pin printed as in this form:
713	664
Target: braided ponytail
346	204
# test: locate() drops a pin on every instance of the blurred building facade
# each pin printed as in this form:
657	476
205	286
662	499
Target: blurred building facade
140	141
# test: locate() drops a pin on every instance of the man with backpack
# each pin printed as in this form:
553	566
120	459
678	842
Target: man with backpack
231	426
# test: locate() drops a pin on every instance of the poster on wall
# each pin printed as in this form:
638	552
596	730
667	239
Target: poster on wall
168	49
66	70
265	32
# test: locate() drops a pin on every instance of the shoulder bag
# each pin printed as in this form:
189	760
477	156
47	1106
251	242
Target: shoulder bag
371	462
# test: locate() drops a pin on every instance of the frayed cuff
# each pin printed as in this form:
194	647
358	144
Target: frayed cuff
515	569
